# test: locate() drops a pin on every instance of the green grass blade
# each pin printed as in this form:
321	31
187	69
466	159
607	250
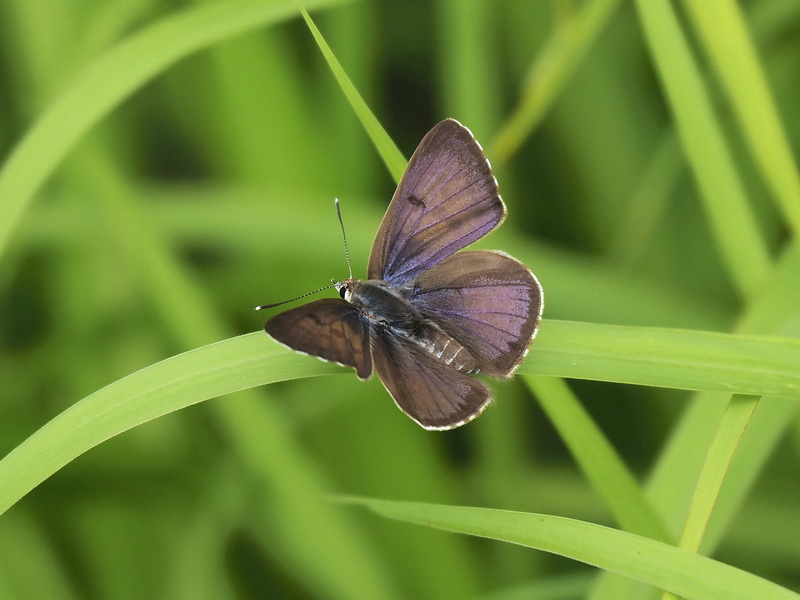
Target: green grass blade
680	359
549	74
675	476
468	79
720	454
228	366
111	78
391	155
673	358
597	458
718	460
724	36
734	226
691	576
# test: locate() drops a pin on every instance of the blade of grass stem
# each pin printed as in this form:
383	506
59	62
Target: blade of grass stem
597	458
724	36
391	155
718	460
549	73
689	575
720	454
670	358
731	220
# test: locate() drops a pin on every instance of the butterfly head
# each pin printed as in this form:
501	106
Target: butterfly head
348	289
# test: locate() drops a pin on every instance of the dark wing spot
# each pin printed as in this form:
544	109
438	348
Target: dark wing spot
412	199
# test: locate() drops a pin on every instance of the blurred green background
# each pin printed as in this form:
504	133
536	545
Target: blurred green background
209	191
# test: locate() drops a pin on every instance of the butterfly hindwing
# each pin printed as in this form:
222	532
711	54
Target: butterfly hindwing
447	199
487	301
432	393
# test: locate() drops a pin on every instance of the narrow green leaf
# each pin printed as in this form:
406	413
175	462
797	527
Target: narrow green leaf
549	74
725	200
689	575
389	152
673	358
724	36
646	356
598	460
720	454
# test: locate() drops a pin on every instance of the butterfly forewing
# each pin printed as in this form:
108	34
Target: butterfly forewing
447	199
432	393
331	329
487	301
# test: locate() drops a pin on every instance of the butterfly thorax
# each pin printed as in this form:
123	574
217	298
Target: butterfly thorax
383	305
388	308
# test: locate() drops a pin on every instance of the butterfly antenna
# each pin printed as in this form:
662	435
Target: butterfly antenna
344	237
263	306
335	283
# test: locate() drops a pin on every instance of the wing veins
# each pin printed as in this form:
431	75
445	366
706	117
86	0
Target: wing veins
450	159
446	249
428	211
440	378
456	241
458	212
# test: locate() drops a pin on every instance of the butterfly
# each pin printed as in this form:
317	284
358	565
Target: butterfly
429	317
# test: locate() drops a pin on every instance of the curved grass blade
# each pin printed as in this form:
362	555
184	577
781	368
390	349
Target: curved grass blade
221	368
389	152
734	422
718	460
688	575
671	358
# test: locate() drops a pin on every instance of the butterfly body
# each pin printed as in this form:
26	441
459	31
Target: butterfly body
385	306
390	311
429	316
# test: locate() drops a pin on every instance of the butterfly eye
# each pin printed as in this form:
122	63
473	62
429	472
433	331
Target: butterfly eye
343	292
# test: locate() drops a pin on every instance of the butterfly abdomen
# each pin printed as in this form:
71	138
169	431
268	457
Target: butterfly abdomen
393	314
440	345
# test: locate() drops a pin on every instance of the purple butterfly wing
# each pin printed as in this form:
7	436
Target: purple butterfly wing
330	329
447	199
487	301
432	393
